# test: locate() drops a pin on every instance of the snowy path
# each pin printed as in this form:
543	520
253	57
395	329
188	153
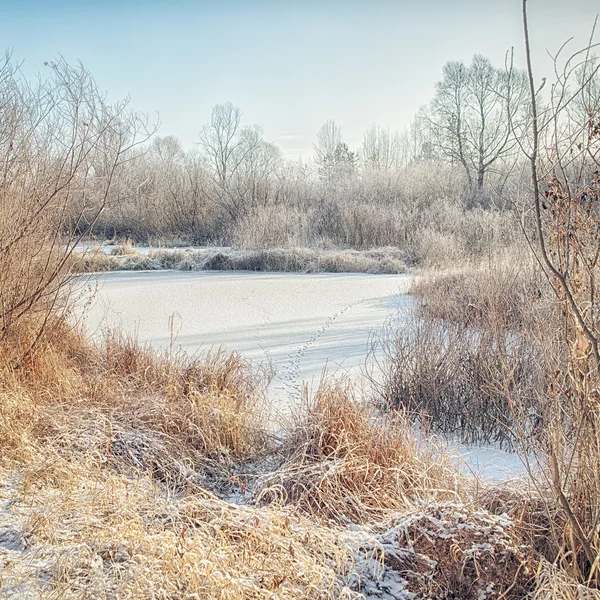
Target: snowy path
300	323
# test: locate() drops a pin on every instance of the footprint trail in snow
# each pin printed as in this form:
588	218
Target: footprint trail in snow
299	323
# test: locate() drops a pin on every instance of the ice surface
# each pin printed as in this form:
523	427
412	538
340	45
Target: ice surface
300	323
488	462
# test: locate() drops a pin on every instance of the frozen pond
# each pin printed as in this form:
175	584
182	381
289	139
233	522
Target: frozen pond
299	323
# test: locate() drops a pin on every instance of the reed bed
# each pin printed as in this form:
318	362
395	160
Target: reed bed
305	260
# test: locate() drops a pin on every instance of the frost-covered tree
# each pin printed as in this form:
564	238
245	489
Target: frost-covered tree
473	115
334	159
242	162
381	150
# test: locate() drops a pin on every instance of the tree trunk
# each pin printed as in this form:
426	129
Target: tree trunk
480	175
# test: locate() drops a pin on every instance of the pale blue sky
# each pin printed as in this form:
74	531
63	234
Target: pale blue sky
288	64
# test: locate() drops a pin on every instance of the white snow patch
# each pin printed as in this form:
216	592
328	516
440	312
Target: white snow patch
488	462
298	323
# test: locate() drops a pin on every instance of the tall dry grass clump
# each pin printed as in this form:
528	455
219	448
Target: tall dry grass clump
506	288
349	463
215	403
464	327
134	409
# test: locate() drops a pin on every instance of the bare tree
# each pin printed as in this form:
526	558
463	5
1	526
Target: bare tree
257	170
168	149
334	159
220	139
329	137
227	146
470	115
381	150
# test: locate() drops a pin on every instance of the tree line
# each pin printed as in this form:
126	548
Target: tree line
450	175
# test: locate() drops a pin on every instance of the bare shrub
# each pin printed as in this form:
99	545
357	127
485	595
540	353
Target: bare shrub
60	144
564	156
465	327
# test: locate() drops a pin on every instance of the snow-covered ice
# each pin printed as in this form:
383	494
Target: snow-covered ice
488	462
299	323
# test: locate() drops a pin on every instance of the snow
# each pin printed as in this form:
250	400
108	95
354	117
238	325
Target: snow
299	323
488	462
402	560
145	250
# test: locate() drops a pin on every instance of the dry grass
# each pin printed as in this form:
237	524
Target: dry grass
107	456
348	463
113	457
504	292
115	462
133	407
554	583
443	374
84	533
380	261
466	328
489	356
